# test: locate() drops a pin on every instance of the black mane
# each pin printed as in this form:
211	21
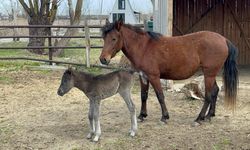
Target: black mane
111	26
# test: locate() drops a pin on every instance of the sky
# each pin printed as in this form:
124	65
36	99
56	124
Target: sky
90	7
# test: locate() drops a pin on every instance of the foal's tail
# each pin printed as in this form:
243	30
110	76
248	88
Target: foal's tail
230	76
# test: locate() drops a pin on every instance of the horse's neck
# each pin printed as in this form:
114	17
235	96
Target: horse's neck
82	80
133	44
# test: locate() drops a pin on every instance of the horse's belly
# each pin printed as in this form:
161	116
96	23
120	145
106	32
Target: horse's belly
179	74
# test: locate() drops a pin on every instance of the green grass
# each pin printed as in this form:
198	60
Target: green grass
6	80
69	55
222	144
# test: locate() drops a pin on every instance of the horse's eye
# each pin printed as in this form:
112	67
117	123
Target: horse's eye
113	39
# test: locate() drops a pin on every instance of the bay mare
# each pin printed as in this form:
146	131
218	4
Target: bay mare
97	88
175	58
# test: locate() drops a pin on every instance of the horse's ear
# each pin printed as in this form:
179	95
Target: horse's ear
119	23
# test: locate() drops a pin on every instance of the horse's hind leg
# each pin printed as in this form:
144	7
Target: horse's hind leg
214	94
125	94
144	97
97	121
91	119
209	83
155	82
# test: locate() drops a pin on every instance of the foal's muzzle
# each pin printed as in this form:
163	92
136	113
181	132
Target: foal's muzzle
104	61
60	92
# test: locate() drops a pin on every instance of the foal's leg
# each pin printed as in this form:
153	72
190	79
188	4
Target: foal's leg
214	94
209	83
127	98
144	97
155	82
97	121
91	119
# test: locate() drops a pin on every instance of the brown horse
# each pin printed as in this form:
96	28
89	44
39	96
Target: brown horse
176	58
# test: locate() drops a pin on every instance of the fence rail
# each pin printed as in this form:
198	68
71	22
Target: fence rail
87	46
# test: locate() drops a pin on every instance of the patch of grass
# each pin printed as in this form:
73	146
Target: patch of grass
13	52
222	144
11	65
93	70
6	80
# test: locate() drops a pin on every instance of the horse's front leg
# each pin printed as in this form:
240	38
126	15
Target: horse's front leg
91	119
144	97
155	82
97	121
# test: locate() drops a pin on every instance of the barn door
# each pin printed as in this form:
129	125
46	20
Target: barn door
230	18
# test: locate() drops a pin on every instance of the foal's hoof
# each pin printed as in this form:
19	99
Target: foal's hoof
195	124
132	133
142	116
96	139
89	136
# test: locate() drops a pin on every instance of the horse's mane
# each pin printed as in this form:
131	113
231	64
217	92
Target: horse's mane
111	26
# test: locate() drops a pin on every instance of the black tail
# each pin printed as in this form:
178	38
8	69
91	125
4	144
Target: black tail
230	76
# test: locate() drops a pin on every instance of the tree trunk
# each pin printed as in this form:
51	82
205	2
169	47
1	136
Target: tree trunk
74	20
39	13
37	32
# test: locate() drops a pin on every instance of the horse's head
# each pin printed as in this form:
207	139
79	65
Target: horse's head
67	82
113	41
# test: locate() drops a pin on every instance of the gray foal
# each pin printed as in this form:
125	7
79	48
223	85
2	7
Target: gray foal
97	88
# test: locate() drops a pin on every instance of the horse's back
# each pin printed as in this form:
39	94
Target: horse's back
184	55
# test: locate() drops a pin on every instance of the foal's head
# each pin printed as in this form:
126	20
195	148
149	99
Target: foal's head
67	82
113	41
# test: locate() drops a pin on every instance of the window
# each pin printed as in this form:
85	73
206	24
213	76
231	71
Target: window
121	4
118	16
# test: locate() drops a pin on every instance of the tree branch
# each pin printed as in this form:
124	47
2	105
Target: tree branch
31	7
36	10
42	7
71	12
53	11
78	11
25	7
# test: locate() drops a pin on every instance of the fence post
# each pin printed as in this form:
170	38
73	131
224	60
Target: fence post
87	41
50	44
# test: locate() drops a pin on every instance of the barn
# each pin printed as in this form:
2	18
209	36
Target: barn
230	18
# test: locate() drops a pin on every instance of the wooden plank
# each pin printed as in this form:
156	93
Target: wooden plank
170	17
87	41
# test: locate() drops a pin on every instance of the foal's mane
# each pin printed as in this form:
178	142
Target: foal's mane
111	26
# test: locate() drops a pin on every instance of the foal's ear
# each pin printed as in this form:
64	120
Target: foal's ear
118	24
70	70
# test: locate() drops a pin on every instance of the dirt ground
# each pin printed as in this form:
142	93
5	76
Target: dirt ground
33	116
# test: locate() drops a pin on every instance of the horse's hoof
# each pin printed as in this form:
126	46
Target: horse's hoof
196	124
207	119
164	120
141	117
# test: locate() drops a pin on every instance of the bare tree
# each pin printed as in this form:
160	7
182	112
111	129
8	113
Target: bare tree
40	12
75	16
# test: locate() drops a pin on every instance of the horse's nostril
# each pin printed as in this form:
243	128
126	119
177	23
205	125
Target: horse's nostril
103	60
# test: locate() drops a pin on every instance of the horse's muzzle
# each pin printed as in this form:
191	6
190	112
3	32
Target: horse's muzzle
104	61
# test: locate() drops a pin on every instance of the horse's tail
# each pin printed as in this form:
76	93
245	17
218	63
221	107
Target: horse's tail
230	77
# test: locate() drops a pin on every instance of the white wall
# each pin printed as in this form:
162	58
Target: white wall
129	13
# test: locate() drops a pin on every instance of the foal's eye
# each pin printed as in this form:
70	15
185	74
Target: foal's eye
113	39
